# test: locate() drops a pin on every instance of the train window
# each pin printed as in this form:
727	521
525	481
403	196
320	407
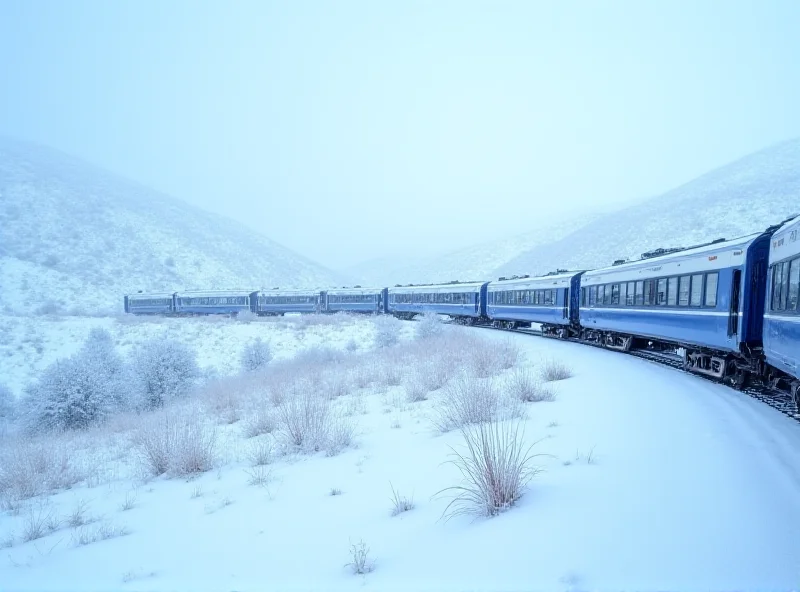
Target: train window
607	295
583	296
615	294
794	285
672	291
639	299
622	289
649	292
697	290
712	279
550	296
661	292
683	290
629	297
601	290
592	295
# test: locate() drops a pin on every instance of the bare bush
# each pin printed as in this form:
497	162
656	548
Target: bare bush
179	445
335	491
522	386
79	515
416	389
36	523
305	419
400	503
387	331
224	397
360	562
495	467
246	316
429	325
258	476
260	452
30	468
554	370
256	355
352	346
341	433
260	420
86	535
469	399
129	502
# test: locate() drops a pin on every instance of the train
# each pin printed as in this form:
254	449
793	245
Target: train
726	309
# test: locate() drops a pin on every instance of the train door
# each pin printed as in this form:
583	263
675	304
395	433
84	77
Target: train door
565	310
733	314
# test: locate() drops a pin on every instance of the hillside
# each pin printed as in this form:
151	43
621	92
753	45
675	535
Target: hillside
79	237
743	197
470	263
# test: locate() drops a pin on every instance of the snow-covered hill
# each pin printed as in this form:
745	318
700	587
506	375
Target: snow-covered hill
470	263
80	237
743	197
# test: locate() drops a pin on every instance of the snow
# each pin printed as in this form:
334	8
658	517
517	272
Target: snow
691	486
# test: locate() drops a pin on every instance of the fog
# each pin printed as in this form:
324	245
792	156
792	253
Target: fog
353	130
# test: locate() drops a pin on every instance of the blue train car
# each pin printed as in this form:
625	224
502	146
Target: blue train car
707	300
214	302
550	300
280	302
782	311
464	301
154	303
363	300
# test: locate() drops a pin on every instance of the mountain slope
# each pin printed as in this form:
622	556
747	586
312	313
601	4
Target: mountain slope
740	198
80	236
470	263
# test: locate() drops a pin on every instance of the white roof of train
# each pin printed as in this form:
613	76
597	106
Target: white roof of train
150	295
785	241
438	288
356	291
213	293
289	293
711	257
539	282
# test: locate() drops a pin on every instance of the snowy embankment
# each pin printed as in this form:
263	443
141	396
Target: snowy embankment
648	479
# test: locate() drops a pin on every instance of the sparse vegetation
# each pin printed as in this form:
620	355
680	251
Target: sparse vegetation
175	444
165	370
553	370
400	503
335	491
360	561
256	355
258	476
387	331
429	325
524	387
495	466
469	399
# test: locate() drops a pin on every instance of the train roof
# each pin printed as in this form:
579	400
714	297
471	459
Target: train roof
149	295
542	281
713	256
212	293
289	293
450	287
357	291
786	241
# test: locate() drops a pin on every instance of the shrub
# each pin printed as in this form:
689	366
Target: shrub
522	386
79	391
360	561
260	420
400	503
256	355
469	399
415	387
429	325
165	370
246	316
305	418
554	370
30	468
387	331
179	445
495	467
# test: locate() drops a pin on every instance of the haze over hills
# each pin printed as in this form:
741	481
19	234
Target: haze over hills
75	236
740	198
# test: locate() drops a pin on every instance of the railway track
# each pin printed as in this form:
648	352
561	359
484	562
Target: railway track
777	400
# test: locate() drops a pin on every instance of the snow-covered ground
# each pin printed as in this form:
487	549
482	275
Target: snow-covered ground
651	479
29	344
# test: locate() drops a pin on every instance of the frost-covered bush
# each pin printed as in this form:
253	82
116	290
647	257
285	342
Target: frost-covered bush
256	355
387	331
522	386
554	370
79	391
246	316
469	399
164	370
430	325
175	444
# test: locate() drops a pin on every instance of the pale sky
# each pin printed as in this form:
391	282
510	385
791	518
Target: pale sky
350	130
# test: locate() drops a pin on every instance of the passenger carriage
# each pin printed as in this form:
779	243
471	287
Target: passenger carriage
361	300
550	300
782	311
707	301
214	302
280	302
154	303
463	301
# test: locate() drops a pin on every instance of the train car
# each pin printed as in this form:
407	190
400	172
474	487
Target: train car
550	300
782	310
706	302
280	302
361	300
214	302
153	303
462	301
